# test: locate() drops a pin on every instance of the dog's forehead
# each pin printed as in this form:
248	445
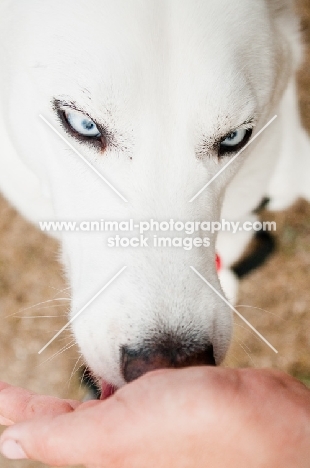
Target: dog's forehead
130	54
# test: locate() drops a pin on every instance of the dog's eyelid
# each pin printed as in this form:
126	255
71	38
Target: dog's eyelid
249	124
61	106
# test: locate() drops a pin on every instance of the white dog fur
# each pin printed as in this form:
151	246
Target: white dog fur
167	78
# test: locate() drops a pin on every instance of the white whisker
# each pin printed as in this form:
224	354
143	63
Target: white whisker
247	351
39	304
263	310
76	369
40	316
82	378
62	350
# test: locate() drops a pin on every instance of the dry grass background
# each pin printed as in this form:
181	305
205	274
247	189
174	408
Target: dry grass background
278	295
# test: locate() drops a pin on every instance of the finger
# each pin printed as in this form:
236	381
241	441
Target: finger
92	435
17	404
5	421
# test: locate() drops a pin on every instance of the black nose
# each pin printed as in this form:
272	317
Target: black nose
135	363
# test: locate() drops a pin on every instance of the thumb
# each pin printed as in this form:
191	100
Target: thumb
91	435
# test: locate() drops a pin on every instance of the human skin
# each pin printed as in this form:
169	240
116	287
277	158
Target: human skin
188	418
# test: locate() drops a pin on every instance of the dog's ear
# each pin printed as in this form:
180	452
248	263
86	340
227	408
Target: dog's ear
285	14
282	7
287	20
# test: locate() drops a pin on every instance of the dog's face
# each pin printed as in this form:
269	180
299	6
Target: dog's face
158	96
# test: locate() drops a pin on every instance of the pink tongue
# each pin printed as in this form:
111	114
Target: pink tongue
107	390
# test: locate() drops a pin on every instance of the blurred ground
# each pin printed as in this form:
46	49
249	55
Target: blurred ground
31	285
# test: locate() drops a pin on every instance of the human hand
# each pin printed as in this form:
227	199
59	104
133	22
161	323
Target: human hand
187	418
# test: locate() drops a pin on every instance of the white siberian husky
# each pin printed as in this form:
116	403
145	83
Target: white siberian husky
158	95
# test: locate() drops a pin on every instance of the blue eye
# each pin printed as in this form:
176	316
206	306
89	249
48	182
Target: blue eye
235	141
82	124
234	138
